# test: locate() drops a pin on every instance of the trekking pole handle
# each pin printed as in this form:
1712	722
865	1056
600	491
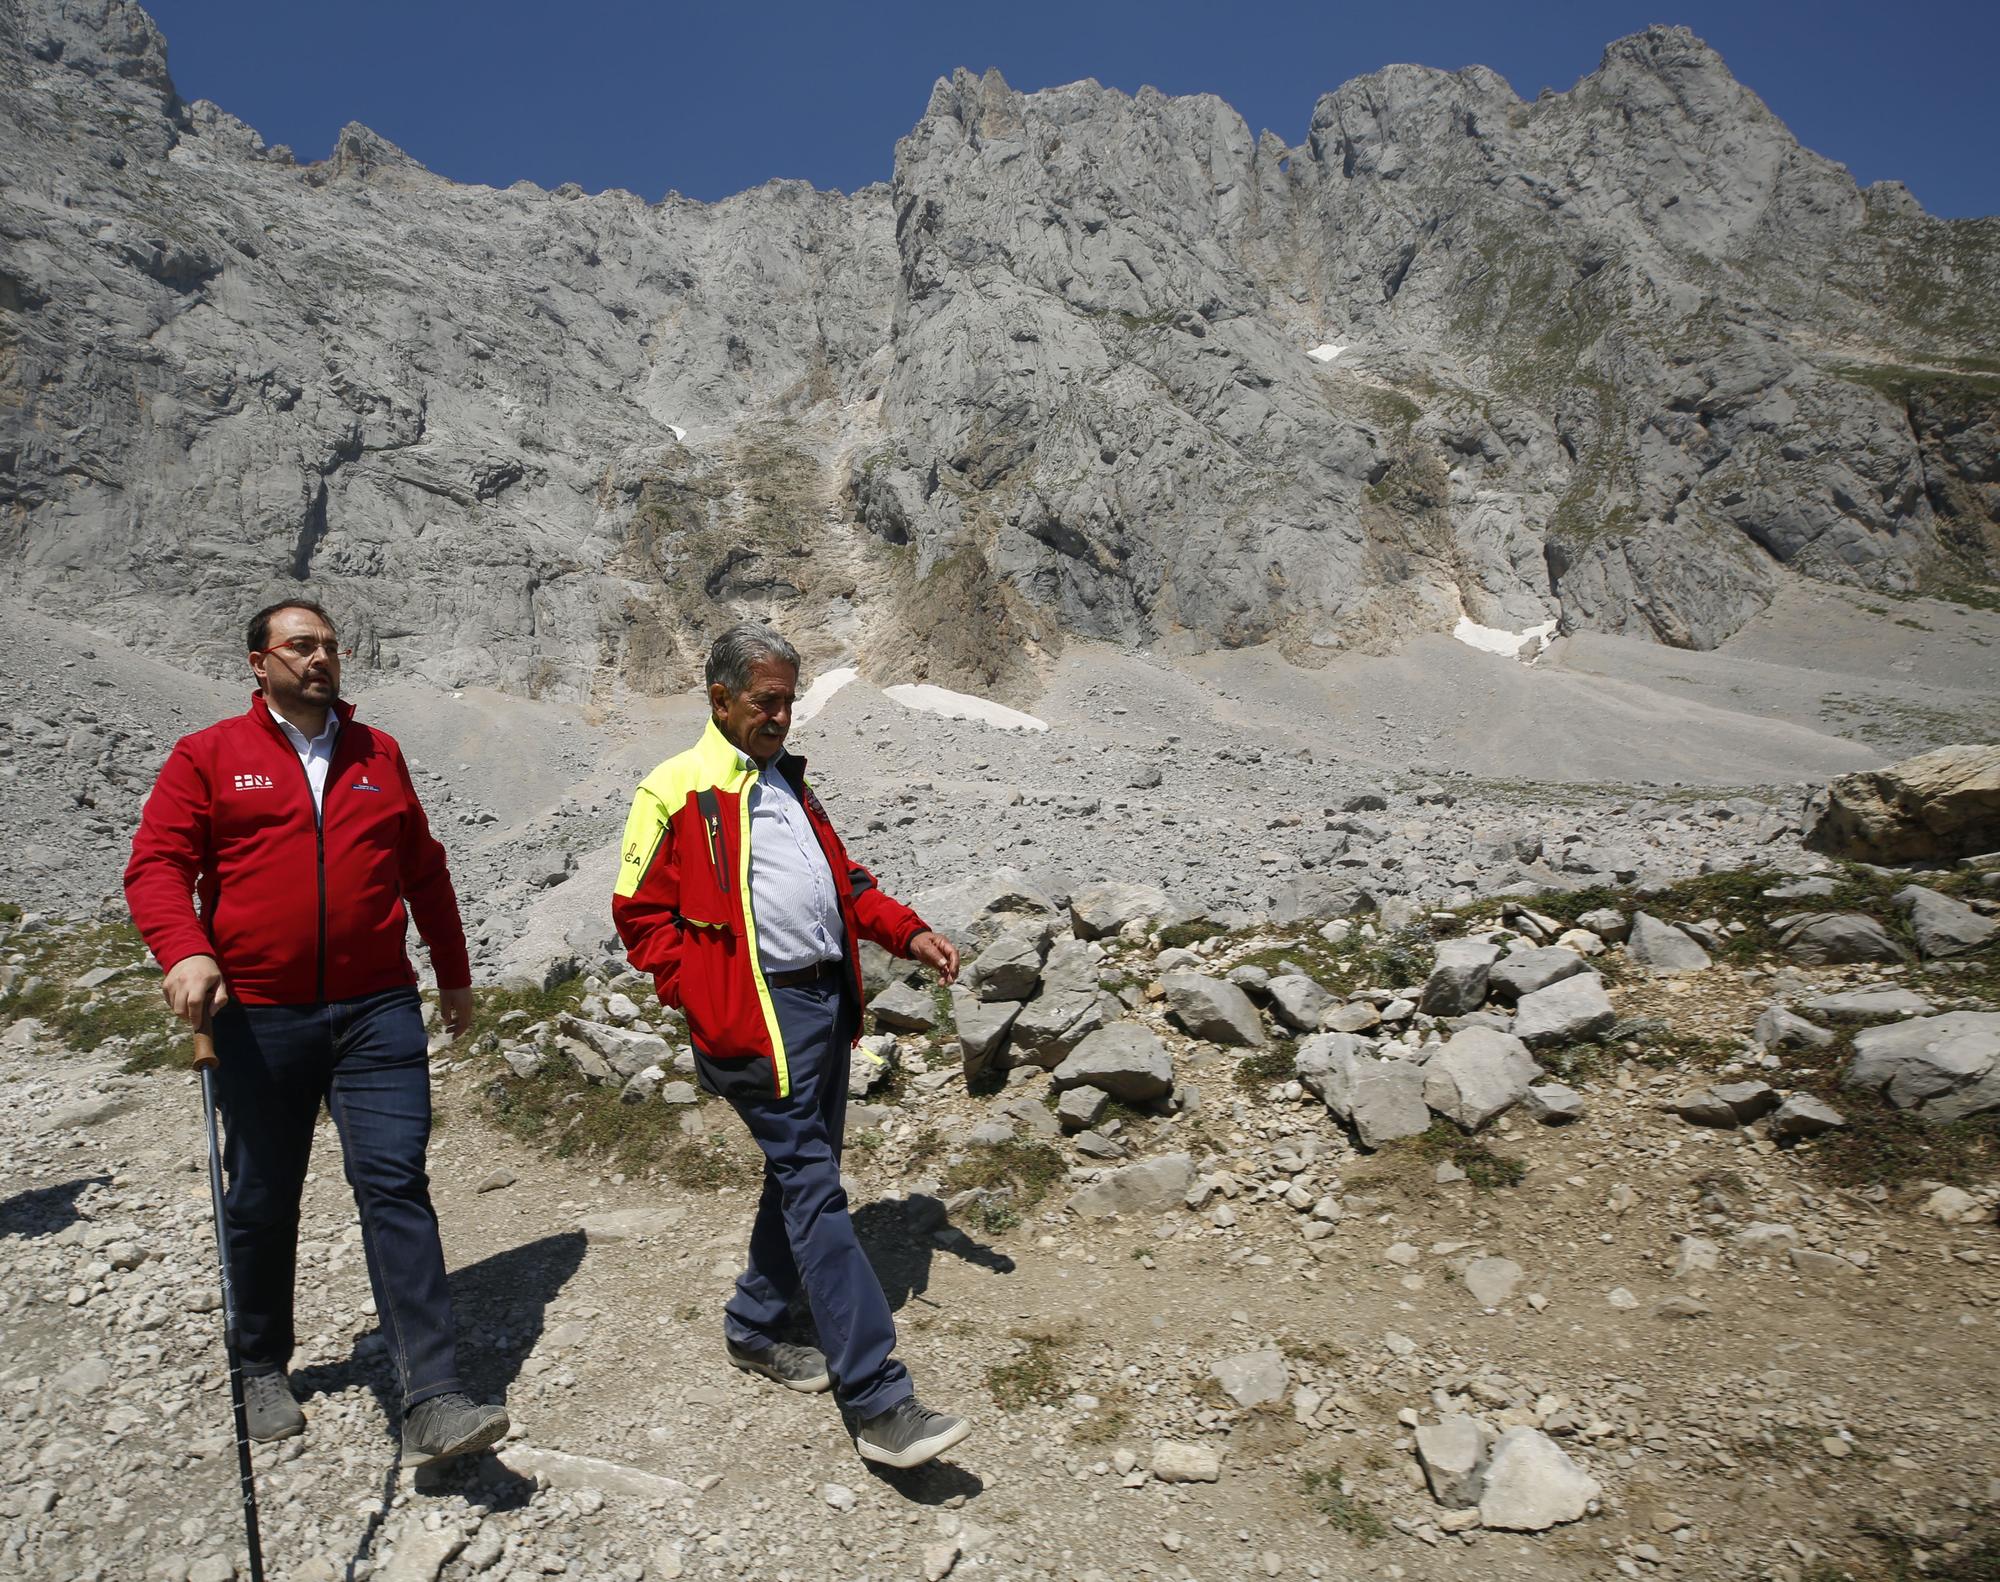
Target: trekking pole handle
204	1045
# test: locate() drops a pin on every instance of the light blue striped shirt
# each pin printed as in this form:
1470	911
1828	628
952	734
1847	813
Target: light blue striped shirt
791	886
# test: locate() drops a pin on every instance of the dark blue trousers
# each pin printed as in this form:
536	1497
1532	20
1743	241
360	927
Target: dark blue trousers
366	1060
803	1235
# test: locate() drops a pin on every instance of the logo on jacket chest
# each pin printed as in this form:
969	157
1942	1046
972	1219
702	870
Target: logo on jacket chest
253	782
364	784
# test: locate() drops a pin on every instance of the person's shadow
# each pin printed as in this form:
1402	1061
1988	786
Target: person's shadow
42	1211
900	1237
503	1301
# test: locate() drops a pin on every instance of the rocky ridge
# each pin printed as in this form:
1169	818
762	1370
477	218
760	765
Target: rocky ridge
1627	357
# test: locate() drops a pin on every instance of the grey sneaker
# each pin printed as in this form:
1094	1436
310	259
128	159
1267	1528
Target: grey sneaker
269	1407
908	1434
451	1425
795	1367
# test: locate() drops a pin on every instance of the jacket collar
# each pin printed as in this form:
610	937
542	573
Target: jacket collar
729	764
342	709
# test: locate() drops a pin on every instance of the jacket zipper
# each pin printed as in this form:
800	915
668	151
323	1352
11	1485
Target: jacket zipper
319	850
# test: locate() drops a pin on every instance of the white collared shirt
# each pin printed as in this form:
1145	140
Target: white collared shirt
316	755
791	887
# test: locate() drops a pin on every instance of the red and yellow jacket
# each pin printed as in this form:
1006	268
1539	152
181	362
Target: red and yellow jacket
682	906
298	908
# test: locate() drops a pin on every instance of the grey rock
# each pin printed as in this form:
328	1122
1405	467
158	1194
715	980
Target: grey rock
1726	1104
1081	1108
1778	1028
1151	1186
1298	1002
905	1008
1943	927
1458	978
1008	969
1553	1103
1477	1076
630	1224
1357	1016
1531	1485
1946	1068
1522	972
1066	1011
1381	1099
679	1094
1453	1455
991	1132
982	1028
975	911
1801	1116
1175	1462
625	1051
1032	1116
1097	910
1937	806
1607	923
1822	939
1492	1280
1210	1009
1095	1145
1861	1005
1252	1378
1124	1059
1817	1265
1815	888
1662	948
1568	1009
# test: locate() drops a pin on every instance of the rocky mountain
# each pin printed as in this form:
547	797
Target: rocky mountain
1628	356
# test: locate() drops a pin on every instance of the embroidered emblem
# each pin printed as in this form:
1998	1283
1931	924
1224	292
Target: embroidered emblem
253	782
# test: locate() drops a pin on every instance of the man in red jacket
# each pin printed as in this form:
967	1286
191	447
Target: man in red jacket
299	831
738	897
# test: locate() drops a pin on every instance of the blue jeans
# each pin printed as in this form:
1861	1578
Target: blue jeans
803	1235
366	1059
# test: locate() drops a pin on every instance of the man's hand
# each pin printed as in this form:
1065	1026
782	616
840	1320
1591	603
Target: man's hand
455	1011
934	950
194	989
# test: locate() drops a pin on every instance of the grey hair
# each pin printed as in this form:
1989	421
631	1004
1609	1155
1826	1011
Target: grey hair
737	649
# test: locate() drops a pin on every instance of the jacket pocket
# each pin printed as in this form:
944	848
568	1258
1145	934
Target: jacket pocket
709	961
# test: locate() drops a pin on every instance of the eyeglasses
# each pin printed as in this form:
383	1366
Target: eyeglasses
303	648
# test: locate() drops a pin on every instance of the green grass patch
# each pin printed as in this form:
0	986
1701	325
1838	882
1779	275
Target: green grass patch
10	912
1324	1492
1972	1556
1029	1169
1882	1145
1178	936
1103	1426
1444	1142
1279	1063
555	1109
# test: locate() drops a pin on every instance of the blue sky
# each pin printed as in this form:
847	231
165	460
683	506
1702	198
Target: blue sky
710	100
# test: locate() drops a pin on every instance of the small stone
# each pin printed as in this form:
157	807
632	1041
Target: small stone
1175	1462
838	1495
1492	1280
1452	1453
495	1180
1531	1485
1621	1298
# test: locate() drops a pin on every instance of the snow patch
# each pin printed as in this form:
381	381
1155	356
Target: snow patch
1325	352
1524	645
820	692
962	706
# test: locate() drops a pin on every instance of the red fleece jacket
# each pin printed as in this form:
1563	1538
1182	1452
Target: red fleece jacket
298	909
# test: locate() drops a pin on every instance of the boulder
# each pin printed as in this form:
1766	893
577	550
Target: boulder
1452	1453
1946	1068
1607	923
1080	1108
1208	1008
1098	910
1068	1009
1032	1116
1153	1186
1802	1116
1662	948
1831	939
1381	1099
975	911
624	1051
1478	1075
1124	1059
1357	1016
1530	1485
1298	1002
1553	1103
1865	1005
1936	807
1457	983
1778	1028
982	1028
1726	1104
1009	968
1522	972
1943	927
1567	1010
905	1008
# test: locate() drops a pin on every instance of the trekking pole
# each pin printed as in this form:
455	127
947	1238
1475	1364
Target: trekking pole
205	1064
